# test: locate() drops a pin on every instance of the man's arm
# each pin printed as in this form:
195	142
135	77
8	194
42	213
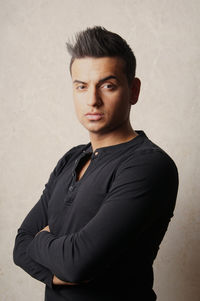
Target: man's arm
56	280
36	220
140	194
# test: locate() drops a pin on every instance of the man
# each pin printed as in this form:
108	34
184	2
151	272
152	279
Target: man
97	227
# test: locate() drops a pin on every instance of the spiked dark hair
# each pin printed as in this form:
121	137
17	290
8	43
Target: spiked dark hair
99	42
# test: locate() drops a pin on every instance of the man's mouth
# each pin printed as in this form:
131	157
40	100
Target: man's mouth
94	116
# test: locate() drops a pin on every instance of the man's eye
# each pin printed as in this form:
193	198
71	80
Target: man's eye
108	86
80	87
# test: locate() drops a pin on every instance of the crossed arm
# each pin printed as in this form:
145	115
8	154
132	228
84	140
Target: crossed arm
36	220
56	280
133	202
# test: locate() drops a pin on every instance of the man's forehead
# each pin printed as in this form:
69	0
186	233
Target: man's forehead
89	67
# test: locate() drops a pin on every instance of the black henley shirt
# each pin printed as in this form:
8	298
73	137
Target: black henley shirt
105	228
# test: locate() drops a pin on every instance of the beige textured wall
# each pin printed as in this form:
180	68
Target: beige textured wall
38	124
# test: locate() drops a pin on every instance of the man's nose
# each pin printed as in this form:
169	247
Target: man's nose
94	98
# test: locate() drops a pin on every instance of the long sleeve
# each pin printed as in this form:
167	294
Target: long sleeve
36	220
142	192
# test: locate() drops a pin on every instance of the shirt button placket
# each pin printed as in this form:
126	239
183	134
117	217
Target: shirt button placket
71	188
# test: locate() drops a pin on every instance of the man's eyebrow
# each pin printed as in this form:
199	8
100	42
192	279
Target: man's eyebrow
76	81
107	78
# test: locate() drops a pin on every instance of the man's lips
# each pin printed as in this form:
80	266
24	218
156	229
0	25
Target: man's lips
94	116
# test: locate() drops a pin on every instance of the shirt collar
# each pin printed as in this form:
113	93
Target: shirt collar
117	147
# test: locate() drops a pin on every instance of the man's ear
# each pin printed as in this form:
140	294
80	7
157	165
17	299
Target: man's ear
135	90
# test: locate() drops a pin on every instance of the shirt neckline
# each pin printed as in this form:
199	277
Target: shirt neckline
117	147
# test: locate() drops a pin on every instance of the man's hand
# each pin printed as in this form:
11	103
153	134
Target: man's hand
57	281
44	229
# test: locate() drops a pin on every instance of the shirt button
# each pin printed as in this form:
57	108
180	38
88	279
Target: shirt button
96	153
71	188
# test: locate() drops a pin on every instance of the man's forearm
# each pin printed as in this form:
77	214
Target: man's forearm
22	260
56	280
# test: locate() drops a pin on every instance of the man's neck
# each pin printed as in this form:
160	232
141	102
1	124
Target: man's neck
112	138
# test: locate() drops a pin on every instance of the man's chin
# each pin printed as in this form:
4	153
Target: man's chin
98	131
93	128
97	128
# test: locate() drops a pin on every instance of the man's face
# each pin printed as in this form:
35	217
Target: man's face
101	92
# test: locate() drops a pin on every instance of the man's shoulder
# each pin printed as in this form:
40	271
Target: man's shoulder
149	154
150	148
